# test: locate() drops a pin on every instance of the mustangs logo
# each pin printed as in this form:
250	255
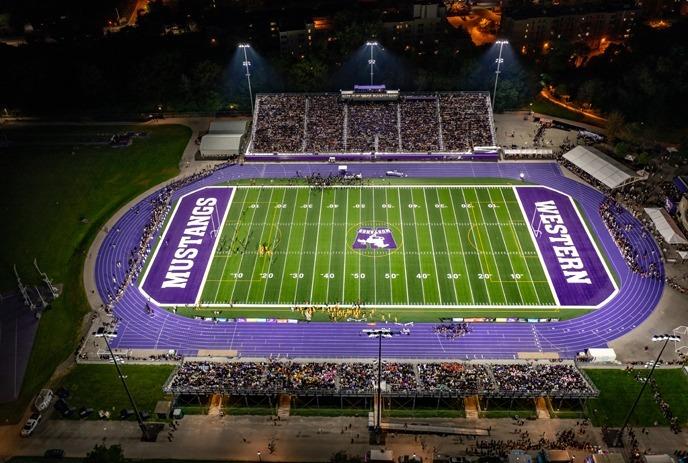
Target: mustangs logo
374	238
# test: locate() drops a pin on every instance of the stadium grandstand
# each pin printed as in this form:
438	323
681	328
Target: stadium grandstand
517	379
373	120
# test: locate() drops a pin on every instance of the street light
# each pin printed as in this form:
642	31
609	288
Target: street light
246	64
499	62
371	61
657	338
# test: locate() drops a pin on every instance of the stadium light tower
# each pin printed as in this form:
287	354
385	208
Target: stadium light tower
247	65
371	61
658	338
380	333
499	62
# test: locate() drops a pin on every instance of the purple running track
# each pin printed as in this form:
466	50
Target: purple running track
163	330
184	253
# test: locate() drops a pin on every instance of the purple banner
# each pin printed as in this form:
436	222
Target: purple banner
576	270
182	258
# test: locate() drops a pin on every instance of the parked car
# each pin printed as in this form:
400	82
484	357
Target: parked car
43	400
30	425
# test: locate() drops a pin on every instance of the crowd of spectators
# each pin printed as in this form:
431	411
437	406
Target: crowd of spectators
465	119
420	124
572	438
325	124
280	124
610	211
548	379
452	377
291	123
523	379
373	127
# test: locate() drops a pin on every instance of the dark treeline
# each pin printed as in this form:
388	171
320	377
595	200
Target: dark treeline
140	68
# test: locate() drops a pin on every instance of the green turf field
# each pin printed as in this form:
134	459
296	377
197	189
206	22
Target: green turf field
456	246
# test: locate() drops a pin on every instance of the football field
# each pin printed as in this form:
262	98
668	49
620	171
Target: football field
401	246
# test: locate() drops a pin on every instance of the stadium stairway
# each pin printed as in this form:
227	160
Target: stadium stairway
215	408
541	409
284	406
471	407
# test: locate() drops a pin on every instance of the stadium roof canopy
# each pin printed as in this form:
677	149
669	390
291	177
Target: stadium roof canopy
601	167
666	226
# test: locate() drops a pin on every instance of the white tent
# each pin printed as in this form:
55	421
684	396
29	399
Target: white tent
214	146
666	226
601	167
601	355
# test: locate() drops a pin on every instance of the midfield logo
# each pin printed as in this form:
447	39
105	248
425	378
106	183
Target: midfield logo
374	238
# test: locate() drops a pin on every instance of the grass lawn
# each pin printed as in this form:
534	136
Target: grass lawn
542	106
55	198
99	387
618	390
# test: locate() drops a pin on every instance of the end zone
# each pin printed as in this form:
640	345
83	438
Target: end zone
181	261
577	272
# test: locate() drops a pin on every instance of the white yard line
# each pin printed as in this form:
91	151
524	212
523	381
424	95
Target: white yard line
241	260
389	254
224	266
446	241
260	238
480	254
315	259
520	248
491	250
465	264
298	270
276	225
346	247
329	262
537	248
501	233
432	246
284	265
403	241
420	261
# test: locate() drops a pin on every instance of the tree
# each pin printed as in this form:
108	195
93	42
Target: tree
616	126
103	454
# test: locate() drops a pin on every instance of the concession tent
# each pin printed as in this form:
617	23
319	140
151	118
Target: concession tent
666	226
218	146
223	139
601	167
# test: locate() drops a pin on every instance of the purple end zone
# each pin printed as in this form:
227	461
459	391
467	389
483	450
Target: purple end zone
575	268
183	255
